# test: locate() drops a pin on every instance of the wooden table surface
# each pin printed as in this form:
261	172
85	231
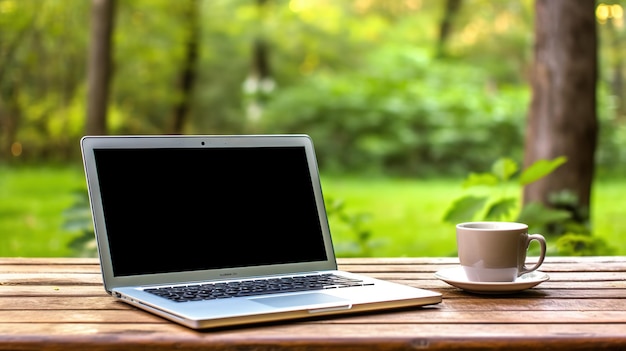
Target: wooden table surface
60	304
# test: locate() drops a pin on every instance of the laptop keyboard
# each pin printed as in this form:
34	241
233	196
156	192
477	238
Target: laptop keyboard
224	290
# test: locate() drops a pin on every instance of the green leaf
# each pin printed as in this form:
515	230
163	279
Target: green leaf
478	179
583	245
540	169
465	209
540	215
504	168
500	209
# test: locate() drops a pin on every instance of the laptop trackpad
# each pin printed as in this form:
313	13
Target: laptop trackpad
300	300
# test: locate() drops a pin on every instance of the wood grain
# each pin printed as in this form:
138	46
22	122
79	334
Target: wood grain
60	304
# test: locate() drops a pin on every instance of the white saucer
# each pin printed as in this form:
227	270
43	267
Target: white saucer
456	277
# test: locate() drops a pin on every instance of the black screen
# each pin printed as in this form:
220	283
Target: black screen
170	210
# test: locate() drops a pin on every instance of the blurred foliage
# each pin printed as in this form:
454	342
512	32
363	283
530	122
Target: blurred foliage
492	202
563	222
359	76
583	245
77	219
361	244
405	113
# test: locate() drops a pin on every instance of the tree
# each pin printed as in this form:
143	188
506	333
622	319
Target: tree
445	27
99	65
259	82
188	71
10	110
562	120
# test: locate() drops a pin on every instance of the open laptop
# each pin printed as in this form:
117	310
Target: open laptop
212	231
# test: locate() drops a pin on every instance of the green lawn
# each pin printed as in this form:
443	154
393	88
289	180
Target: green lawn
32	201
404	215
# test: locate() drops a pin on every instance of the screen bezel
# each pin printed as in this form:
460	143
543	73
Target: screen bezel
91	143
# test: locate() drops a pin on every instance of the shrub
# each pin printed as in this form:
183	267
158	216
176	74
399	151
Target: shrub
404	113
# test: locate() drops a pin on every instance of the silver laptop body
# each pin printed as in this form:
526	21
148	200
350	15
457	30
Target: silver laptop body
173	213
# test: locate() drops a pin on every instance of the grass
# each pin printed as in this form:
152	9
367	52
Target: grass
405	216
32	201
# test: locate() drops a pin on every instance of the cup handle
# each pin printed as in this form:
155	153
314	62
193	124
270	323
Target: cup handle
542	243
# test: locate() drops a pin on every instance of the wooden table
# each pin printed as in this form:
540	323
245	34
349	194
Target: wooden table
60	304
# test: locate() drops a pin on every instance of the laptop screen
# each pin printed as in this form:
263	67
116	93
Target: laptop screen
186	209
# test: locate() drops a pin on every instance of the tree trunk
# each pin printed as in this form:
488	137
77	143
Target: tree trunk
259	83
445	28
10	110
260	66
188	70
10	117
99	65
562	120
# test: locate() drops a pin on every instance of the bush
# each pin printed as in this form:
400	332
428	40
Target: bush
564	221
406	114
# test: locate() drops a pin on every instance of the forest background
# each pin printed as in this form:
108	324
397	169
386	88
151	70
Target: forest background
395	94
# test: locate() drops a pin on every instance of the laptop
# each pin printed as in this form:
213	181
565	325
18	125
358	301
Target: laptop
214	231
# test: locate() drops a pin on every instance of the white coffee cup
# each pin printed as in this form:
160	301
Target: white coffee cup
496	251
